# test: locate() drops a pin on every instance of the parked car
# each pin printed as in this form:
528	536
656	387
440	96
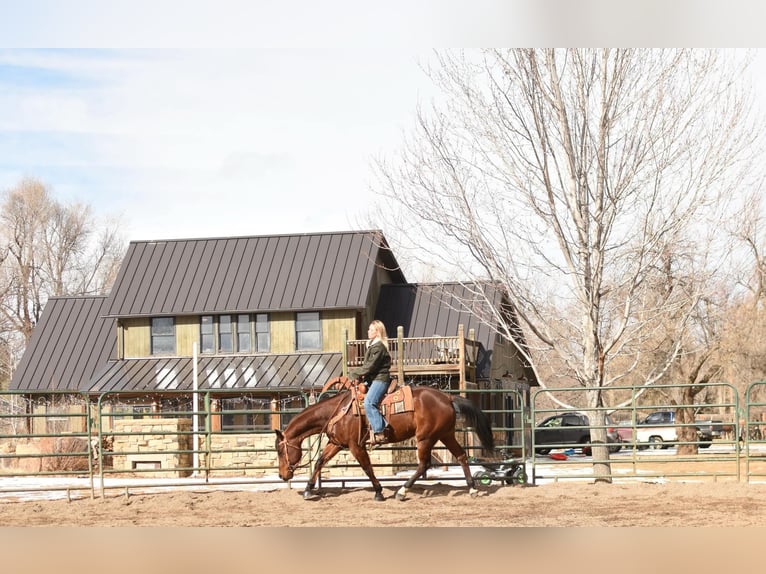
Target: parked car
659	429
625	430
560	431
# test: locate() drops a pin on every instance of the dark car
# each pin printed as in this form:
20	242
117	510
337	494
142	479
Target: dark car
560	431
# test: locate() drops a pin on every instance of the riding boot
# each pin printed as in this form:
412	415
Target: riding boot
378	438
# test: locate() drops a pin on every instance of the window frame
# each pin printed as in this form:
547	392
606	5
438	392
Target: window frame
298	321
211	335
252	327
261	335
155	337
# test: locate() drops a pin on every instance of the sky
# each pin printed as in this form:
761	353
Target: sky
189	143
200	119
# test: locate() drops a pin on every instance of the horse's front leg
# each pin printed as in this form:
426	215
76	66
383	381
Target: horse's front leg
363	458
329	451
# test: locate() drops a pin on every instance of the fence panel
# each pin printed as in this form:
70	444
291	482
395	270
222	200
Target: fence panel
637	451
46	437
75	446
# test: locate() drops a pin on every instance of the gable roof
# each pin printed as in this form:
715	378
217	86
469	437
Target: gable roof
248	274
437	309
69	343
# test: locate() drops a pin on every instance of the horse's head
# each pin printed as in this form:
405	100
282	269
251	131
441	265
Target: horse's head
288	454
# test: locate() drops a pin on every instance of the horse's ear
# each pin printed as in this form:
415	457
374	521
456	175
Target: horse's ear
280	436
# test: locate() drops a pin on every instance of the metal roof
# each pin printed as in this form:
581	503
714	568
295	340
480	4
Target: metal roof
437	309
69	343
249	274
287	372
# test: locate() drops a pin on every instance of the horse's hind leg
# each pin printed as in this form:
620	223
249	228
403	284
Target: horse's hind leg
459	453
328	452
425	446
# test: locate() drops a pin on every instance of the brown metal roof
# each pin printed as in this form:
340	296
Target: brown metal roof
288	372
69	343
437	309
248	274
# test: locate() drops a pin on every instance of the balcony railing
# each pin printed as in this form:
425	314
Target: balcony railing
423	355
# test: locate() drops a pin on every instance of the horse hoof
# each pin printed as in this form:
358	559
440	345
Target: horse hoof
379	497
307	495
400	497
473	492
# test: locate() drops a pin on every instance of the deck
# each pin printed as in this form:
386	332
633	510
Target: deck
414	356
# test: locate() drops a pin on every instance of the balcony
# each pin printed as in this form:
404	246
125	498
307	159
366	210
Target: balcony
420	356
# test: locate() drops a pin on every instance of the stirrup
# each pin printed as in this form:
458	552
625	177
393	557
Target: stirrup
378	439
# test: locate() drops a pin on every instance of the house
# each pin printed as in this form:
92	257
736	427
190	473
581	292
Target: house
269	320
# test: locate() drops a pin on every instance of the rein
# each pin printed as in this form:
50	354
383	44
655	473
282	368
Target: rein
341	383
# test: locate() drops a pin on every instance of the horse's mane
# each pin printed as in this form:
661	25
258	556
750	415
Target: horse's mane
327	396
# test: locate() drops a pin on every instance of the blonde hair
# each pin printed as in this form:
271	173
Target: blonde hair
380	328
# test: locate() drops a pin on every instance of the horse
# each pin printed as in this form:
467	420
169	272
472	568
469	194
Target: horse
432	420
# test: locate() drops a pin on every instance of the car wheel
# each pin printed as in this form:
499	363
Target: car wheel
655	442
705	444
613	448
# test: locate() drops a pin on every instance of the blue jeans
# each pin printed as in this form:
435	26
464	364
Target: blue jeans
371	401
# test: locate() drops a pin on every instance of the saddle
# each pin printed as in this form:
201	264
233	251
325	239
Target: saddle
398	398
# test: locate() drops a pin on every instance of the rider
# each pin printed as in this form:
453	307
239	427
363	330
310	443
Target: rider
376	373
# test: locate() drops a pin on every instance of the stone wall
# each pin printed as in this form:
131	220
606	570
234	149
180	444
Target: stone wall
153	446
247	454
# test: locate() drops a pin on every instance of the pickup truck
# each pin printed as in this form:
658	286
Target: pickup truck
659	430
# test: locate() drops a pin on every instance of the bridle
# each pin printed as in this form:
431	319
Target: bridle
287	444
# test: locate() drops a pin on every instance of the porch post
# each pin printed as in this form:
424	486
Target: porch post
400	354
461	355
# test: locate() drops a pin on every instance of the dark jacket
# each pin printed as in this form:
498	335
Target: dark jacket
376	366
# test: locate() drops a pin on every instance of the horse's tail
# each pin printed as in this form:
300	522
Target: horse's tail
477	419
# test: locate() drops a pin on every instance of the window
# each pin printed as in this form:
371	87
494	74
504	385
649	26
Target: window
245	414
308	336
234	333
225	334
262	333
163	336
131	411
207	334
243	334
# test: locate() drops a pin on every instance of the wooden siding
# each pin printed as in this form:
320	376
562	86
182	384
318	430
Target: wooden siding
335	324
136	337
136	333
506	362
187	333
282	332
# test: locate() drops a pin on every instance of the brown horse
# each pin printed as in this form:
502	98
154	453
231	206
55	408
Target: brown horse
432	420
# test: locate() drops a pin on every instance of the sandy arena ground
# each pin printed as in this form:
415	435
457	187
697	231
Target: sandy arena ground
561	504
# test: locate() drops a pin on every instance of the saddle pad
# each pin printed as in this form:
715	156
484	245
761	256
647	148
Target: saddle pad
399	401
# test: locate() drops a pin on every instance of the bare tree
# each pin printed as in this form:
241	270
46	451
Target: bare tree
566	176
47	249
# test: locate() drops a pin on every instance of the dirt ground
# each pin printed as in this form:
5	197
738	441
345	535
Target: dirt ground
724	504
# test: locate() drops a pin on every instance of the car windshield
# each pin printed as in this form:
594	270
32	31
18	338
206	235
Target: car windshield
552	422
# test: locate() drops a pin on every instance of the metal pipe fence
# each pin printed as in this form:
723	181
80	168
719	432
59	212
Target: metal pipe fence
75	445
